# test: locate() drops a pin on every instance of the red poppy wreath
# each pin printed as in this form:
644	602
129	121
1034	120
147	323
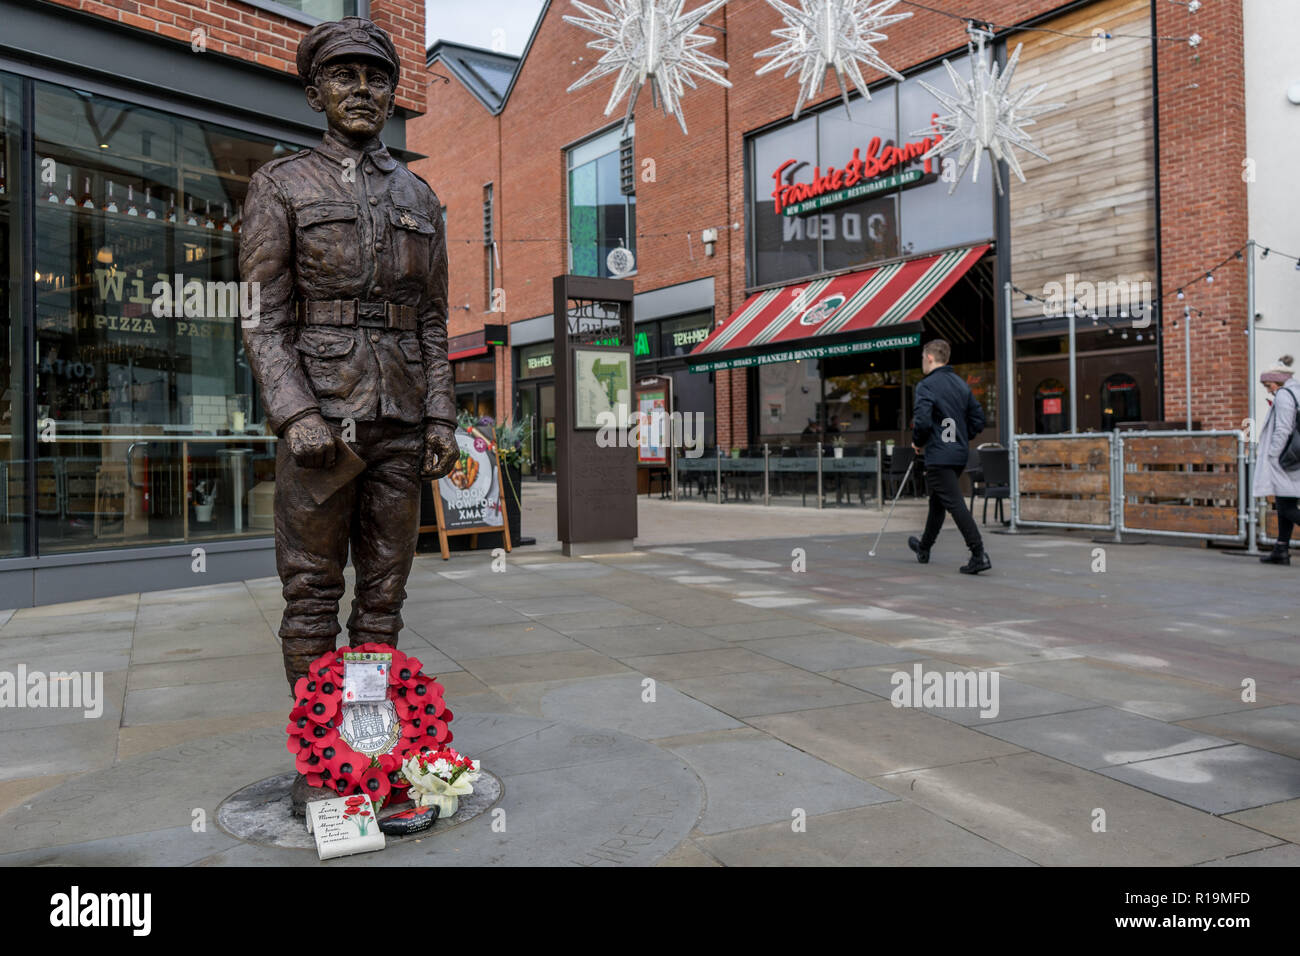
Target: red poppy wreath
326	738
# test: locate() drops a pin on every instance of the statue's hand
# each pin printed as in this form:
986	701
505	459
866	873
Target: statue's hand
440	451
311	442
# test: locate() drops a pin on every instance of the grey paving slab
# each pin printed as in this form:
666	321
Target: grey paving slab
163	789
83	651
62	748
1287	854
1101	737
574	622
214	670
825	652
876	738
984	650
677	666
1269	728
218	699
633	640
756	780
538	606
1217	781
552	665
498	640
20	626
161	645
432	660
771	627
1043	810
768	691
1149	694
619	703
1282	819
887	834
177	846
422	616
84	692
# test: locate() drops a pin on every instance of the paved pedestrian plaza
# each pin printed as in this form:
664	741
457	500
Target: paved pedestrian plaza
721	702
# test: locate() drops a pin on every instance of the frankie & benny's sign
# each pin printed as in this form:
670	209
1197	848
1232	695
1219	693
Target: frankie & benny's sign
880	170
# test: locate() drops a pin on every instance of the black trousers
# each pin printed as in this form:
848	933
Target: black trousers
945	497
1288	516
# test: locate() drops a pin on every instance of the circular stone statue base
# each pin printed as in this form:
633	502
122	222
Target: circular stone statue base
260	813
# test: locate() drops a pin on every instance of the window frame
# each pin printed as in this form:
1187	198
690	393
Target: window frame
616	133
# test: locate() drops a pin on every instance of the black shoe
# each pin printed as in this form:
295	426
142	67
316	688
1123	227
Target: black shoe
1281	554
979	561
922	554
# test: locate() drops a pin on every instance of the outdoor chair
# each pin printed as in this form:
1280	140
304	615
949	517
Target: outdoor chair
898	462
995	463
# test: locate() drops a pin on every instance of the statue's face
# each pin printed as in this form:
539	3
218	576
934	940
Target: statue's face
355	95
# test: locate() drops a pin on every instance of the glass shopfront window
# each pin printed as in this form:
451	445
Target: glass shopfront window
149	429
14	417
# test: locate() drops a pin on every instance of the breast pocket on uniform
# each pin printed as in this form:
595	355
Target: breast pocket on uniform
412	237
328	239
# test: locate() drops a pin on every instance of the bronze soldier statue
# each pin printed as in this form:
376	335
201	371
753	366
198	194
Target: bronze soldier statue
349	252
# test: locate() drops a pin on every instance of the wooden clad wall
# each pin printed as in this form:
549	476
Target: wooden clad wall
1090	212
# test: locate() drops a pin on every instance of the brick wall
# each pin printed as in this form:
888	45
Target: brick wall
699	178
261	37
1203	208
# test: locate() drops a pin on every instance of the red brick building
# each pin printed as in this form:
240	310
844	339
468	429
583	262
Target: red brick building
1144	193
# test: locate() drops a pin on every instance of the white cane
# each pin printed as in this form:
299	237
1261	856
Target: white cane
901	485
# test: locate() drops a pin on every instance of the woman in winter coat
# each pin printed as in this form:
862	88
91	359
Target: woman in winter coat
1270	477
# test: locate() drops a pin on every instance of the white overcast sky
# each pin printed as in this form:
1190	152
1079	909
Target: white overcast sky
492	24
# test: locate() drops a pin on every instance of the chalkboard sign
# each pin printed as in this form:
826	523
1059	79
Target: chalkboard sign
468	500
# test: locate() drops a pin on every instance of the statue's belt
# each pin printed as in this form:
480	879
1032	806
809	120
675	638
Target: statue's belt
354	312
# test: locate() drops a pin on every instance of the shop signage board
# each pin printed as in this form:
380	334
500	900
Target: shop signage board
468	501
812	352
654	420
594	368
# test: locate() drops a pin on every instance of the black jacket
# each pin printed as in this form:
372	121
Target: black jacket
941	397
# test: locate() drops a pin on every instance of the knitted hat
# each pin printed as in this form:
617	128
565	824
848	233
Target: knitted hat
1280	373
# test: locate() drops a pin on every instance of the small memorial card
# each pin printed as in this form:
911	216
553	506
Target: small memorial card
365	676
343	826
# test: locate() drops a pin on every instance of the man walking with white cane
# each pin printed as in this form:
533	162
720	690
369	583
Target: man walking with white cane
946	417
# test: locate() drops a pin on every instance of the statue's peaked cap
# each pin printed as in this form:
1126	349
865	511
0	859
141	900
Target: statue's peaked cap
351	36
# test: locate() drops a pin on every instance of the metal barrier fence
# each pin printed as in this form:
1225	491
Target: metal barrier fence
1173	483
711	470
1185	502
1072	478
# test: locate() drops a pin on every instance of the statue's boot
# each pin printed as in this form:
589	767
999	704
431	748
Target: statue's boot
299	652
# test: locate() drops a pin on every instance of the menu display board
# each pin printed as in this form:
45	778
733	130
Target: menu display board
468	500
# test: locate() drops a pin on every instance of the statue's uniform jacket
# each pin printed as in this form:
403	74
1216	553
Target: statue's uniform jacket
332	223
328	231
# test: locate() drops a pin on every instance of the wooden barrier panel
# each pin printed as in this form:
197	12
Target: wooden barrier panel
1066	510
1181	449
1183	483
1064	480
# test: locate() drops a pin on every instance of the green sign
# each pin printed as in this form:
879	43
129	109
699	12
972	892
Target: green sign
878	185
640	346
812	352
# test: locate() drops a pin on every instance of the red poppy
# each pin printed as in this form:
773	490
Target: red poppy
322	708
374	783
315	780
356	800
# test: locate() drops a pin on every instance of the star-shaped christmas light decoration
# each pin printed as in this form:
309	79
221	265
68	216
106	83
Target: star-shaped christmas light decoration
984	115
821	34
649	40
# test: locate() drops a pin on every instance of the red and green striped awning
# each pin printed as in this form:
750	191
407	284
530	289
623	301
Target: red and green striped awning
848	313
